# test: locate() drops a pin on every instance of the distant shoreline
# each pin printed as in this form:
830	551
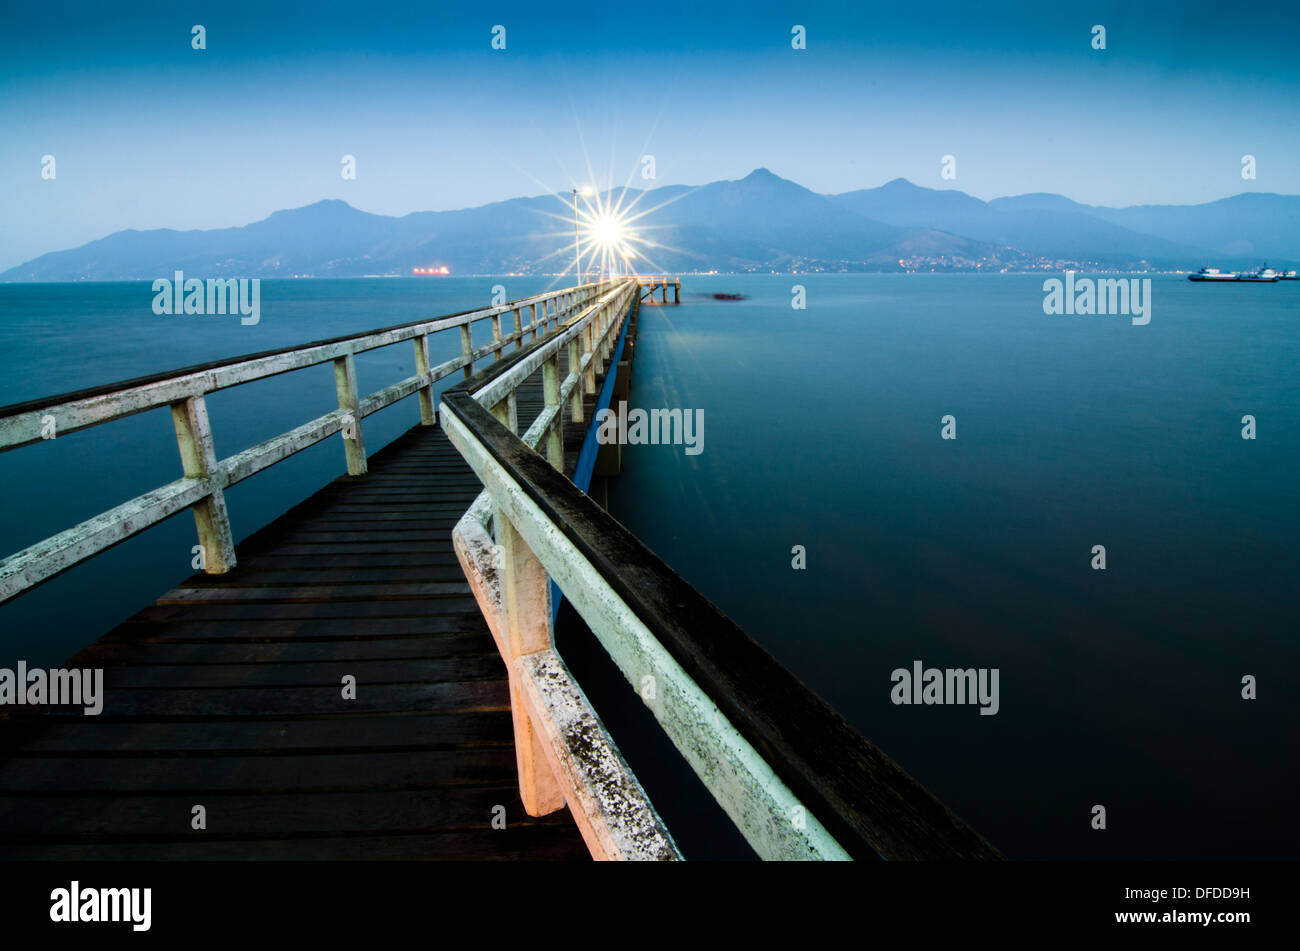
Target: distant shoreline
947	272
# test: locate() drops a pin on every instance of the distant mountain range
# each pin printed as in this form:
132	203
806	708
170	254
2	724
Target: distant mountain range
759	223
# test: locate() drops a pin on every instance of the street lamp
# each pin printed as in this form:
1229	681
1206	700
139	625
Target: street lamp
586	192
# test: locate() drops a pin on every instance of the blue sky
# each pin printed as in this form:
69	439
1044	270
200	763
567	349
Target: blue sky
148	133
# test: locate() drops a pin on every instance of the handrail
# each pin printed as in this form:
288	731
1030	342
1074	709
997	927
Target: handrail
797	779
204	476
563	751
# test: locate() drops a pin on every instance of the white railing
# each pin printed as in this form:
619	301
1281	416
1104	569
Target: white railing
563	752
797	780
204	477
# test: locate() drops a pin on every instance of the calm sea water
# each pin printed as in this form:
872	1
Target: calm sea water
822	429
1119	687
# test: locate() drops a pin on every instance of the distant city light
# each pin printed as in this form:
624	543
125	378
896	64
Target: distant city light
438	271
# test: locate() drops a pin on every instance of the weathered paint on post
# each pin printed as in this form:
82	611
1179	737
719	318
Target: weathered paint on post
605	800
526	607
422	370
467	349
551	396
345	383
575	364
199	461
589	361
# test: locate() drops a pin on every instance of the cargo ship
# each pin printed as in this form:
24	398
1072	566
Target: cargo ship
1212	274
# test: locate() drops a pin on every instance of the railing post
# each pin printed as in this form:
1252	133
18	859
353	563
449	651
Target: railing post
496	337
345	383
519	328
467	349
575	395
604	319
199	461
422	367
588	378
535	330
507	412
526	606
551	396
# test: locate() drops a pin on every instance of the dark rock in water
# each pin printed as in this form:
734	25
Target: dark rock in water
729	297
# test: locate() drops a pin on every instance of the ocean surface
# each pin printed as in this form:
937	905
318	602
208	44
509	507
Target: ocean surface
1118	687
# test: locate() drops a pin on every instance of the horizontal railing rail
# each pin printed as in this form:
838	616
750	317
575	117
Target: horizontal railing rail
563	752
204	477
796	778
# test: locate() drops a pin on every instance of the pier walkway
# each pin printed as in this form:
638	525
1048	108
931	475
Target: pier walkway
229	694
372	676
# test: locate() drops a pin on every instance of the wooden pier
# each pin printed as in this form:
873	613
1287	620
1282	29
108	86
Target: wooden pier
372	675
228	693
650	283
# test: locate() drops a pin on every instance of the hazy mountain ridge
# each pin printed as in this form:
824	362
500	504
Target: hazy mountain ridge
1242	229
761	222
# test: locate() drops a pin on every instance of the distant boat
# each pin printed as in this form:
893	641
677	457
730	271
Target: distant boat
728	296
1212	274
1264	275
1288	276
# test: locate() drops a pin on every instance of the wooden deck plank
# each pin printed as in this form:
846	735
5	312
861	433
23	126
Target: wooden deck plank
272	773
526	842
239	816
345	733
286	652
211	627
326	590
319	673
323	700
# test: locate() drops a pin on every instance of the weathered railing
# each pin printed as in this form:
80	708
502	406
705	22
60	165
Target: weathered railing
204	477
798	781
649	282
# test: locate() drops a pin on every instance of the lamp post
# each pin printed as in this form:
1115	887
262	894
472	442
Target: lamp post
586	190
575	237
